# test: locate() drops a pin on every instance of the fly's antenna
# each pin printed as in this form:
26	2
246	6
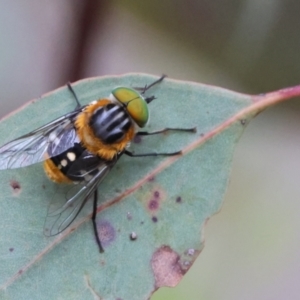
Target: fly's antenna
150	99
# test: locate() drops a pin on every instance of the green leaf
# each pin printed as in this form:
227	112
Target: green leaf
164	201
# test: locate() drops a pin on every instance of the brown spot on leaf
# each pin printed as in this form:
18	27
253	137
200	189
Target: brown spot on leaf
107	232
156	194
166	267
156	197
178	199
153	204
137	139
15	185
151	179
154	219
243	121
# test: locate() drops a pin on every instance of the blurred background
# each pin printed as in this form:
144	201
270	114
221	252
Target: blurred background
251	46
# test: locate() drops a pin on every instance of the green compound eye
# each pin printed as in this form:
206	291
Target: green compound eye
135	104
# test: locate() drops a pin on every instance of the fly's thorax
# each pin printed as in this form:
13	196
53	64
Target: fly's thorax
110	123
105	128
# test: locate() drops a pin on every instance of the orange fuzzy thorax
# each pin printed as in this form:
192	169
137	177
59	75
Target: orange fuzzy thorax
93	143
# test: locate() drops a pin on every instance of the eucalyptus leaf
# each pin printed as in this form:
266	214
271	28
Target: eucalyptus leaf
152	209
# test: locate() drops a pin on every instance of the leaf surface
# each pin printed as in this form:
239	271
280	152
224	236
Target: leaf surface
165	202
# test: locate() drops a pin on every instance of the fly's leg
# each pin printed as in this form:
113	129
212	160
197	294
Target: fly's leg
101	250
78	105
194	129
131	154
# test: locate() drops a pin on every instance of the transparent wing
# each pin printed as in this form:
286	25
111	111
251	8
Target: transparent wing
40	144
59	216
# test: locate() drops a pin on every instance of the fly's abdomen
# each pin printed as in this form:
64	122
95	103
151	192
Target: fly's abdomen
58	167
74	165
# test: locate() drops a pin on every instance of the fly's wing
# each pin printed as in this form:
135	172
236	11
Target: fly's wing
40	144
60	216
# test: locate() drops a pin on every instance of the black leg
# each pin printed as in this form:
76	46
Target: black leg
194	129
152	154
147	87
74	94
94	221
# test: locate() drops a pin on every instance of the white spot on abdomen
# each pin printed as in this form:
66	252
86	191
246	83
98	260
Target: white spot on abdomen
64	162
71	156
